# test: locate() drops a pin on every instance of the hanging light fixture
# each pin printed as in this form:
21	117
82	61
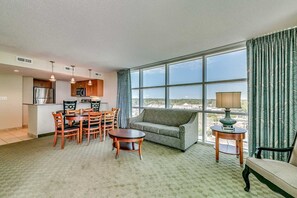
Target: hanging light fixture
52	78
90	82
72	81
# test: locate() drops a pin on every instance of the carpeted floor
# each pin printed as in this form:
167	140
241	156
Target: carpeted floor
34	168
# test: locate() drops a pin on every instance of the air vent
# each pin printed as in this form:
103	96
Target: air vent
68	68
24	60
98	74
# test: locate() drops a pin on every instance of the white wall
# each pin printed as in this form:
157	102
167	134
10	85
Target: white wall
110	89
28	90
63	91
27	97
10	101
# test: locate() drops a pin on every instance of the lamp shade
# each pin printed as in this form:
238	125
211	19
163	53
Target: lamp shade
228	99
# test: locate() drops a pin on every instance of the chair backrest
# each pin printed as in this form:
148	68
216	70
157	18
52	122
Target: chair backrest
78	111
69	105
59	122
109	118
293	157
87	110
94	118
95	105
116	113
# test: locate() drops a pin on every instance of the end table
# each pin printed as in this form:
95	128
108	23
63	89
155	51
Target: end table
238	134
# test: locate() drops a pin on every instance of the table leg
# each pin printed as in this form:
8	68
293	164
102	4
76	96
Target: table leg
80	130
237	149
217	147
118	148
240	152
139	148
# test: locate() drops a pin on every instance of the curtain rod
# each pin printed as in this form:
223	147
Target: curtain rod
270	33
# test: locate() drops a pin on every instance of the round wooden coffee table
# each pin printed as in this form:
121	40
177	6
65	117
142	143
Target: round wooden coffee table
125	139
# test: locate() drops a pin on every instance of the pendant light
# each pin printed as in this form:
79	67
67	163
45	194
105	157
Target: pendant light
52	78
90	82
72	81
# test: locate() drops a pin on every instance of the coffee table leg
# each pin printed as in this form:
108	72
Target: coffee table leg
237	148
217	147
113	143
118	148
139	149
240	152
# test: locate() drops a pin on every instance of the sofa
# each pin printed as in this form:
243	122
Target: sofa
171	127
279	176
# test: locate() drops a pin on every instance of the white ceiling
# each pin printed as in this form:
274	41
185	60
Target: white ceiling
108	35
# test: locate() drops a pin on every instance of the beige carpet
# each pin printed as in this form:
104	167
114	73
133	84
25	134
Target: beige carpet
34	168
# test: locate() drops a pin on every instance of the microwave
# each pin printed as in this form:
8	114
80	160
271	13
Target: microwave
80	91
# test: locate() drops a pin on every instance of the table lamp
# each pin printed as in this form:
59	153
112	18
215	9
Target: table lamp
228	100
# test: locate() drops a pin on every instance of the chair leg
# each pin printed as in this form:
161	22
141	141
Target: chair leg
104	131
100	134
55	139
62	141
245	175
77	137
89	137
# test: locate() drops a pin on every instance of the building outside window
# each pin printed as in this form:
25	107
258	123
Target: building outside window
192	84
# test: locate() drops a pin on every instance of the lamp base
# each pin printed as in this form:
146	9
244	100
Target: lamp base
227	122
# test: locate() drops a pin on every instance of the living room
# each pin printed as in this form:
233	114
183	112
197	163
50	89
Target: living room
167	65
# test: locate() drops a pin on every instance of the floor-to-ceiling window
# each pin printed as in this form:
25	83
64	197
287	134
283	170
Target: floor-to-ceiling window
192	84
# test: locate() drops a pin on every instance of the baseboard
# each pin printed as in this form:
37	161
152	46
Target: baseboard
11	129
46	134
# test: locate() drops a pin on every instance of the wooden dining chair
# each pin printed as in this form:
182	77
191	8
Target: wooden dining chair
87	110
78	111
95	105
68	105
62	131
93	126
108	122
116	116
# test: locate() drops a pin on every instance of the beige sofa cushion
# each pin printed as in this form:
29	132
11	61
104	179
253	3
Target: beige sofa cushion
282	174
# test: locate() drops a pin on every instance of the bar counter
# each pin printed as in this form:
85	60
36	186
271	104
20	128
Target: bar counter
40	119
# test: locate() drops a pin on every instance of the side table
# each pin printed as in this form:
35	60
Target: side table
238	134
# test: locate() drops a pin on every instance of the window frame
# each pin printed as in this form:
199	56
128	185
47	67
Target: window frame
203	56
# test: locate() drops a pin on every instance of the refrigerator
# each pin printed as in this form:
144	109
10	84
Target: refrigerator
43	95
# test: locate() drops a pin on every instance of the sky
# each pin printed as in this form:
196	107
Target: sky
219	67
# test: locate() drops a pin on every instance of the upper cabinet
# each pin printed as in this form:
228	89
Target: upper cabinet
42	83
95	90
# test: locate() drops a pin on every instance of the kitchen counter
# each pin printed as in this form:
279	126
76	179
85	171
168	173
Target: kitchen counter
40	119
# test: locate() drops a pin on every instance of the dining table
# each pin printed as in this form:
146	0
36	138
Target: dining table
80	118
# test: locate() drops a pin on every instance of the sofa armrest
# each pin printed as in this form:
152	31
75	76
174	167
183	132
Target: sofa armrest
189	132
138	118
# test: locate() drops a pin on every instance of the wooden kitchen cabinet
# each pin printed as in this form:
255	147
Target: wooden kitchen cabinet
73	89
42	83
95	90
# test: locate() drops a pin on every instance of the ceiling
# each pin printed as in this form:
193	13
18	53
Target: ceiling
108	35
36	73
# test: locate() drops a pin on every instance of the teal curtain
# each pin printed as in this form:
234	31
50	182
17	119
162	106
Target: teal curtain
272	81
124	101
